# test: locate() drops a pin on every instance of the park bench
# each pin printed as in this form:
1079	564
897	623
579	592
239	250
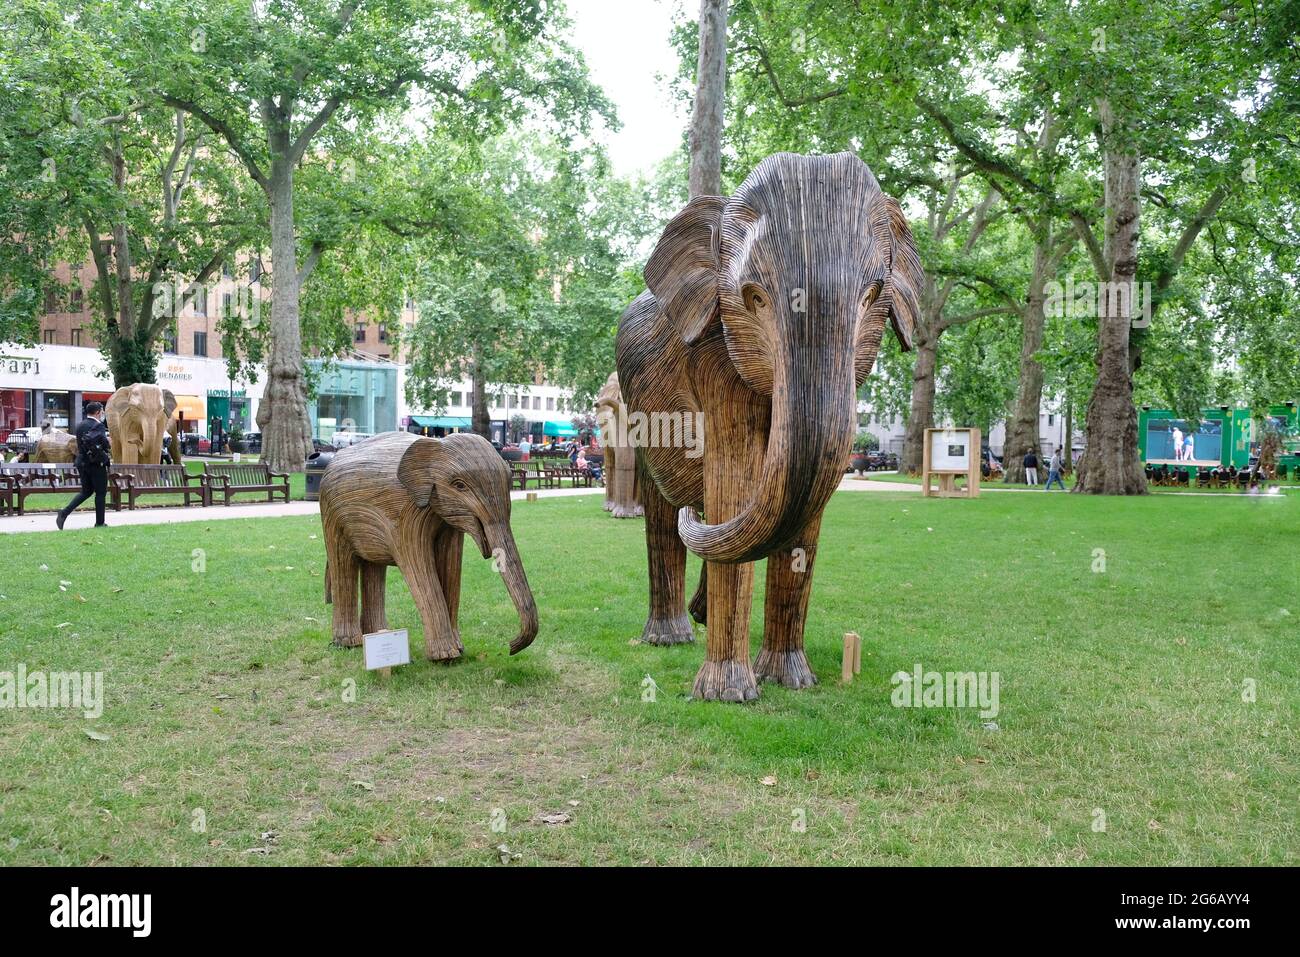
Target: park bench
231	479
18	480
521	473
575	476
137	480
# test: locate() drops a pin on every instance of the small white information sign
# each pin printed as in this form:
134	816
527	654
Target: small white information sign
384	649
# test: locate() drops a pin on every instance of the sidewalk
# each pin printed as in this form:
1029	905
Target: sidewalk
84	517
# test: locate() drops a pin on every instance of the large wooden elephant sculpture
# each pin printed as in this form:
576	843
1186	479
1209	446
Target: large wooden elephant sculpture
764	314
137	417
622	494
397	499
56	446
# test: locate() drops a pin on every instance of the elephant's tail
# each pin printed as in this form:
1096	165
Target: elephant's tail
329	598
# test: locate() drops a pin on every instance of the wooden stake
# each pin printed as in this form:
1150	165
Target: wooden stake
532	496
846	664
385	673
857	652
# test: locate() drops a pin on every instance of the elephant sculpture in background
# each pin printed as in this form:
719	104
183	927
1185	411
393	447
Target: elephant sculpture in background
622	492
763	315
56	446
398	499
137	417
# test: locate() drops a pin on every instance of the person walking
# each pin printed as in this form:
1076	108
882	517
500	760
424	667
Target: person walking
1054	471
1031	467
93	459
525	449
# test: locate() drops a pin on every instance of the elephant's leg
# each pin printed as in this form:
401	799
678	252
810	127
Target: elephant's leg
667	624
373	618
343	571
700	603
611	487
447	549
416	561
789	584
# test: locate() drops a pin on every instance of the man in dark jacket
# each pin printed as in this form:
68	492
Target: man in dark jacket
93	458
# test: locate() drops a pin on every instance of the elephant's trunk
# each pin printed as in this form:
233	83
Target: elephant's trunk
812	426
506	557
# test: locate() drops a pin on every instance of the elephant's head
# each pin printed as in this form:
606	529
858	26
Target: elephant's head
465	480
802	268
137	417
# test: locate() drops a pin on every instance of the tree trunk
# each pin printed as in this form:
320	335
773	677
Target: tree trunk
710	97
480	418
1110	464
1022	424
1067	458
282	413
921	416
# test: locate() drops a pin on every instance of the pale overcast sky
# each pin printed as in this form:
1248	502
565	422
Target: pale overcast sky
626	46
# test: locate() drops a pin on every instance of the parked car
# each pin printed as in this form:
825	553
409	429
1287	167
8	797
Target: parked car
24	439
253	442
341	440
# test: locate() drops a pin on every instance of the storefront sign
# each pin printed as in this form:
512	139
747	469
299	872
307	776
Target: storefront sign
20	365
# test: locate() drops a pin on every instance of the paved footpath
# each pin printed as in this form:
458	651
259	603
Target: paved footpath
84	517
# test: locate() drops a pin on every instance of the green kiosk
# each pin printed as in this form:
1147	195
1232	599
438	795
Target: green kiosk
1224	437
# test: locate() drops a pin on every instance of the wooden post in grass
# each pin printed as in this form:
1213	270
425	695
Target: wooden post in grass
851	664
532	496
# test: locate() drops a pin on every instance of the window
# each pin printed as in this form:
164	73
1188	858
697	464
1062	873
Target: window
255	269
226	301
200	343
225	271
469	398
77	300
1051	419
51	300
455	398
169	341
76	337
537	402
359	332
47	337
201	301
550	403
383	333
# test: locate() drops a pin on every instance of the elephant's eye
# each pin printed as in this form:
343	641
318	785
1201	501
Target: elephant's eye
869	299
755	298
460	486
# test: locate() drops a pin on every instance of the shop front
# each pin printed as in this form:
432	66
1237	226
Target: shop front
353	396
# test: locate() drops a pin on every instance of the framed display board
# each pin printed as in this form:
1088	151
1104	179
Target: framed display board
950	453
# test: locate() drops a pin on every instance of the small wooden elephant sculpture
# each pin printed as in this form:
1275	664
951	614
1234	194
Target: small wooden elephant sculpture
622	492
398	499
56	446
763	314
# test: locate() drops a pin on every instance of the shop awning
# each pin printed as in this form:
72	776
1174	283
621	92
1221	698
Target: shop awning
190	407
440	421
558	429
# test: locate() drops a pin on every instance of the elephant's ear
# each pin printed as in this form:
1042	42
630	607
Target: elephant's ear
906	277
416	470
682	272
898	296
169	402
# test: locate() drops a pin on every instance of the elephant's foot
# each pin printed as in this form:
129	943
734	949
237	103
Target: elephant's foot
609	506
789	668
628	511
668	631
347	639
725	681
446	650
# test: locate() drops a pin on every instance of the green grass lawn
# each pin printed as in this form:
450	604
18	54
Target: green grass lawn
229	735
